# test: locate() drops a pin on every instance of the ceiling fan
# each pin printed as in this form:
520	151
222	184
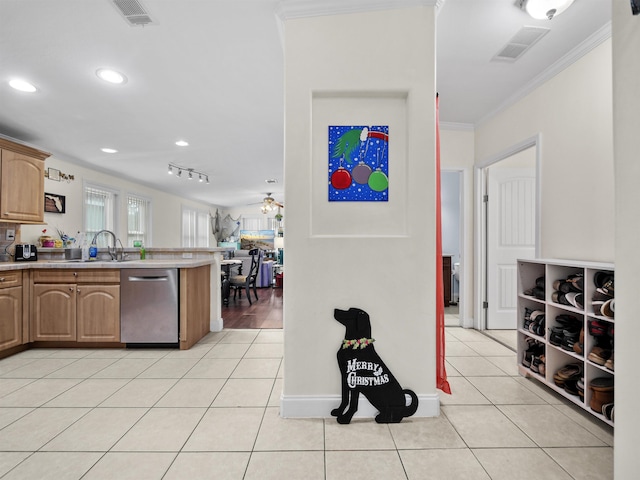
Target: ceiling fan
269	204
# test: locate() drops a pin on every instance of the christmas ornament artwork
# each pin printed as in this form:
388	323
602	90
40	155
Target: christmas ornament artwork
358	163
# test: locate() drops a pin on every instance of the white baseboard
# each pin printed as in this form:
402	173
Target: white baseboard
216	325
320	406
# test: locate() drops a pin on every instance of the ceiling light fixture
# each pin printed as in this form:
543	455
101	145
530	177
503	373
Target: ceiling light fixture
111	76
109	150
544	9
182	143
191	173
269	204
22	85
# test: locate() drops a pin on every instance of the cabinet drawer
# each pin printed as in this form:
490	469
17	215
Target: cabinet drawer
76	276
10	279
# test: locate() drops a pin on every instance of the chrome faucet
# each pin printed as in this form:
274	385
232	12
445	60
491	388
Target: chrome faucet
113	254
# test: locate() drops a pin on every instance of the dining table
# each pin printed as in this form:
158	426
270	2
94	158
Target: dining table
225	267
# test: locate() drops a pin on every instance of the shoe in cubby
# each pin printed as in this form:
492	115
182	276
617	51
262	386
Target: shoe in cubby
601	392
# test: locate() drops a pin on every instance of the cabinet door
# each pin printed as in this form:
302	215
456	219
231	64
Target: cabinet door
10	317
98	313
195	305
21	187
53	312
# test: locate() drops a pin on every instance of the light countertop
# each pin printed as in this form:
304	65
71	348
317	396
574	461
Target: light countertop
67	264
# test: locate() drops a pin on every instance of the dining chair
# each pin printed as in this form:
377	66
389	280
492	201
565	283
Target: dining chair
246	282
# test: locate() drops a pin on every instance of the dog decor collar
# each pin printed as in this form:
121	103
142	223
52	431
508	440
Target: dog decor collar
357	343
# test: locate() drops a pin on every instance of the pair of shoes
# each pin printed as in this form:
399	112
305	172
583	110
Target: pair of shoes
534	321
572	299
609	363
537	291
578	346
572	370
534	349
573	283
580	388
599	355
598	328
570	339
538	364
603	304
605	282
571	385
577	282
566	332
608	410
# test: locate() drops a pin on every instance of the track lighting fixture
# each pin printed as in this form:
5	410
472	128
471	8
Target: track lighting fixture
191	173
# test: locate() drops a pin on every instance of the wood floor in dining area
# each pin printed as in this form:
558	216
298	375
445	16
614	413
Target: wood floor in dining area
266	312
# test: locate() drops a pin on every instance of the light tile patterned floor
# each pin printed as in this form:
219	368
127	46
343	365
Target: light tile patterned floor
212	413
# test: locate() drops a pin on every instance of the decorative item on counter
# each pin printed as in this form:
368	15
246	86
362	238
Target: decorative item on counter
66	240
46	241
140	245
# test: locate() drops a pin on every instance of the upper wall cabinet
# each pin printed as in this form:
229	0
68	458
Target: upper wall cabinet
21	183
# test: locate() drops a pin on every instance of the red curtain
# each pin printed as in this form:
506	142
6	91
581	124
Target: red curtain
441	372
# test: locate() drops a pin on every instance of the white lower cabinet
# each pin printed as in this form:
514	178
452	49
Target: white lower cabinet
547	325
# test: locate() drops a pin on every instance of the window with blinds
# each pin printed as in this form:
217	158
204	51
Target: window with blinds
260	223
195	227
99	212
138	220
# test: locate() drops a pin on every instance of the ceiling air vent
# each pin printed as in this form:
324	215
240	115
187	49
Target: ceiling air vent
520	43
133	12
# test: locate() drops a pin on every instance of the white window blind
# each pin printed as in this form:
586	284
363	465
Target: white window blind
195	227
138	220
99	212
252	223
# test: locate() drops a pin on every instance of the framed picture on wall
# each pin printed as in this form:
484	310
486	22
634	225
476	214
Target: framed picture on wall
54	203
358	163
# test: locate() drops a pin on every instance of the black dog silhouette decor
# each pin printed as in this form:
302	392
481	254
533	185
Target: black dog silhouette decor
363	371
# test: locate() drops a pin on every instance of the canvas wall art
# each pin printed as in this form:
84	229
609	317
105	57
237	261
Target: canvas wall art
358	163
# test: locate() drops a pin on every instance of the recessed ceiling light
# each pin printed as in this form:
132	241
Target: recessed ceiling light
22	85
109	150
182	143
111	76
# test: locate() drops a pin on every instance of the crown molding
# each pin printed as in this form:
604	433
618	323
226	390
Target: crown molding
291	9
596	39
462	127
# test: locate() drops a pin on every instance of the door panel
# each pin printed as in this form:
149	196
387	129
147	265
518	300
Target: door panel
510	235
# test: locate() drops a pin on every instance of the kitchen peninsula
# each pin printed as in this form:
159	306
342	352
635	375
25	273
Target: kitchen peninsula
65	303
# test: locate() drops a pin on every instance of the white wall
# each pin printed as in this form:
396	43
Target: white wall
166	208
573	114
457	152
626	106
370	69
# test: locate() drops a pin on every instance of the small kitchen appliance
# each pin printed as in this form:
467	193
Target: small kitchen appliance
26	253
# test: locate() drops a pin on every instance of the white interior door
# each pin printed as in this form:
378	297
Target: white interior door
511	234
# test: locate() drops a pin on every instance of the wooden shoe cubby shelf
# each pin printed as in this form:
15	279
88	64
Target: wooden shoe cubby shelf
555	356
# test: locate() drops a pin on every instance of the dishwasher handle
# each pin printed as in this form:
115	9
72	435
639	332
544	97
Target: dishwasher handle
150	278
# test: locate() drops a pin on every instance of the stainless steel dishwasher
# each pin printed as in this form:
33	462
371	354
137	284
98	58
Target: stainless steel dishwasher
149	306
